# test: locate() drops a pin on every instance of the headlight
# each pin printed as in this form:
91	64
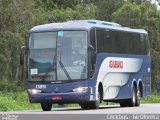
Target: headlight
34	91
80	89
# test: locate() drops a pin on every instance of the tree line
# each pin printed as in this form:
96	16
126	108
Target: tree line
17	17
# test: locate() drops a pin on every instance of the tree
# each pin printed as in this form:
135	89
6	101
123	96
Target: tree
146	16
106	8
17	17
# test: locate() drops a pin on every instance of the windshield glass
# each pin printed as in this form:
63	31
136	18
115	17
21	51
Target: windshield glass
42	56
72	55
58	55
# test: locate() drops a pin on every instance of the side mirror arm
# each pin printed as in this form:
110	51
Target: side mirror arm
23	48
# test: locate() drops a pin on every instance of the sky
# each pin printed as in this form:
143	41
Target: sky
154	1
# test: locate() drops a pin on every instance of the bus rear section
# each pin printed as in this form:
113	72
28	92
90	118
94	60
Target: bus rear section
123	70
124	78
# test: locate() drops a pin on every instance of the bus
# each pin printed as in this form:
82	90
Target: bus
87	62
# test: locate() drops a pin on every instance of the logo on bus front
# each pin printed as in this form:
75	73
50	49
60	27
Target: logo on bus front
116	64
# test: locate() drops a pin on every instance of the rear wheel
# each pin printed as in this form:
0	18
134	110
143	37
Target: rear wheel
138	97
132	102
46	106
124	103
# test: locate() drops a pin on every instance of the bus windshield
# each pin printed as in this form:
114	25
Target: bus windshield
58	55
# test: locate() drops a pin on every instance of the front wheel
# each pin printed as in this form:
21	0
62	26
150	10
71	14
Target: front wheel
46	106
84	106
95	104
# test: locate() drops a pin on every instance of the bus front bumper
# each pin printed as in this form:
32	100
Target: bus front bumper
60	98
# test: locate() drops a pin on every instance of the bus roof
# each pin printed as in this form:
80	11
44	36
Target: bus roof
83	25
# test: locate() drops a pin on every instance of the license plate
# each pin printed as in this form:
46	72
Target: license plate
57	98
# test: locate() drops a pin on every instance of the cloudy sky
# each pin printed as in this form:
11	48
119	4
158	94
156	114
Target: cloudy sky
154	1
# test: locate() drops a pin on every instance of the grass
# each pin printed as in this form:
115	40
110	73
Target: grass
13	101
153	98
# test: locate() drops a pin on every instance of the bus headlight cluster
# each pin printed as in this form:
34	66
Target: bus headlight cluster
80	89
34	91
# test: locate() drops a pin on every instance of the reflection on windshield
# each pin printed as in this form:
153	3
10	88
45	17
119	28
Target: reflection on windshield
42	55
42	59
71	51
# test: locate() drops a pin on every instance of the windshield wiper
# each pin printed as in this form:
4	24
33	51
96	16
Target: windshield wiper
65	71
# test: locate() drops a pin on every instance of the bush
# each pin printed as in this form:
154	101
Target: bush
12	101
7	86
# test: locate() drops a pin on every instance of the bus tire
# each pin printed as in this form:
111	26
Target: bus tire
132	101
138	97
95	104
123	103
46	106
84	106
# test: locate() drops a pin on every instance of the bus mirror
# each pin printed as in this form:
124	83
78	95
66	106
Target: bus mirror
91	48
22	55
92	51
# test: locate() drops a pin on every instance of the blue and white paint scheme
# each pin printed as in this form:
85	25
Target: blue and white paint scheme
113	75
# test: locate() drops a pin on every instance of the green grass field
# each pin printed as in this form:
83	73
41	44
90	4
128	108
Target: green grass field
12	101
152	98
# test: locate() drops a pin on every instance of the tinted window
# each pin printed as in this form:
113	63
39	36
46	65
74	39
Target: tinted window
93	38
112	41
147	43
104	42
140	44
123	42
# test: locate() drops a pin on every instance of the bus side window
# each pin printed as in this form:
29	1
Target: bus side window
143	44
147	43
108	42
104	41
92	58
100	40
93	39
138	44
